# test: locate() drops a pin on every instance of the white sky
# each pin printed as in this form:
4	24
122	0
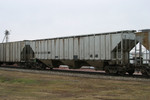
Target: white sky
37	19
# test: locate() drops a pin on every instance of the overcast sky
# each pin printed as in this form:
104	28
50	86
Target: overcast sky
37	19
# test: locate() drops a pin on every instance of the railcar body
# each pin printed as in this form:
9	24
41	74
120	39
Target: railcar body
106	51
11	52
142	62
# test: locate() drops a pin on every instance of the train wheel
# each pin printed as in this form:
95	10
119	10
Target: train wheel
43	67
51	68
107	71
40	66
27	66
131	72
21	65
144	73
70	67
121	73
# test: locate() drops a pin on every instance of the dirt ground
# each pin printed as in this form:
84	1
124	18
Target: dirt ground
28	86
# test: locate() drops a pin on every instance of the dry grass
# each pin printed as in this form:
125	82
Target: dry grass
27	86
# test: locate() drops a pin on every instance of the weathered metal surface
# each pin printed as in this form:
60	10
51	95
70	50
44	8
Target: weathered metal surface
144	38
10	52
93	47
97	47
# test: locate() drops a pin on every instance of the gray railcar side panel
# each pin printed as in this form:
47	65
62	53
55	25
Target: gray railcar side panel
66	46
53	49
61	49
14	49
7	52
86	48
11	52
19	52
37	49
81	46
116	38
46	50
1	51
4	52
108	46
76	48
34	47
97	47
71	50
22	45
40	49
91	48
49	44
103	46
57	49
43	49
35	53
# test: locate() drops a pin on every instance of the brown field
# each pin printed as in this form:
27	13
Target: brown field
28	86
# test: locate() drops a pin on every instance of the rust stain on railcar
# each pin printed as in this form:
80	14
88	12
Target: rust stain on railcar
145	39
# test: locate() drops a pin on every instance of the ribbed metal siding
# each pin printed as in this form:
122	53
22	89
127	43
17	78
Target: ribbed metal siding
10	52
97	46
66	48
83	48
76	48
49	46
103	47
1	52
7	52
71	48
92	47
61	51
37	49
57	49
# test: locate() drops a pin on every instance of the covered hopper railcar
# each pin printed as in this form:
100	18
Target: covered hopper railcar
106	51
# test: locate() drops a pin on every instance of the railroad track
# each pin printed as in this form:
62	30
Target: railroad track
74	73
